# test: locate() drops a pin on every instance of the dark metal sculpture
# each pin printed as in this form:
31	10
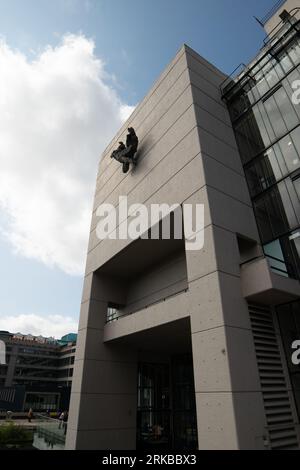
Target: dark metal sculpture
126	154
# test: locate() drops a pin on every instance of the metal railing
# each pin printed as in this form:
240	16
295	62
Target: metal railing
287	269
271	12
50	430
282	31
117	314
283	26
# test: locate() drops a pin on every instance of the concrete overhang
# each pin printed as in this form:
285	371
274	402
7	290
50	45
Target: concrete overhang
161	313
260	284
172	337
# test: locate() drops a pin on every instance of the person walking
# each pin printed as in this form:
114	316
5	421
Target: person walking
30	415
65	420
61	419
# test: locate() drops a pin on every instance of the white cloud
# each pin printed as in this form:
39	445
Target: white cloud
55	325
57	113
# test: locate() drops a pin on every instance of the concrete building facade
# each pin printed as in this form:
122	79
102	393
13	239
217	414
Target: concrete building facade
180	348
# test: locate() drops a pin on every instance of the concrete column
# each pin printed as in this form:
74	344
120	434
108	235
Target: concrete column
104	389
229	403
230	413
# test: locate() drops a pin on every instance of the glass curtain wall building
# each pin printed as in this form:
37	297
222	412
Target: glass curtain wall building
264	108
266	118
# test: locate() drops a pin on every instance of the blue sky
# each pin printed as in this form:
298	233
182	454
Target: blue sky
134	41
137	38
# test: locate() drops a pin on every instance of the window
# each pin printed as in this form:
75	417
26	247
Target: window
277	211
251	136
284	255
289	152
294	52
274	254
274	117
274	164
112	312
262	218
296	182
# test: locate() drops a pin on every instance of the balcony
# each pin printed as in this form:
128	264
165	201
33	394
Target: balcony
245	76
147	272
265	282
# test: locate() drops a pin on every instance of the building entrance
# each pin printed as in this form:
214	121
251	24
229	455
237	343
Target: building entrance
166	410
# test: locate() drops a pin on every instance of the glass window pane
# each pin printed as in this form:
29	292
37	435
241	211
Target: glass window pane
265	131
271	74
274	116
295	135
275	257
277	161
285	61
253	180
249	137
262	219
297	187
279	70
294	52
288	85
294	245
275	212
290	184
286	109
285	206
267	174
289	153
262	84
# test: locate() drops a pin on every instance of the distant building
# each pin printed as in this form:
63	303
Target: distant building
38	372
